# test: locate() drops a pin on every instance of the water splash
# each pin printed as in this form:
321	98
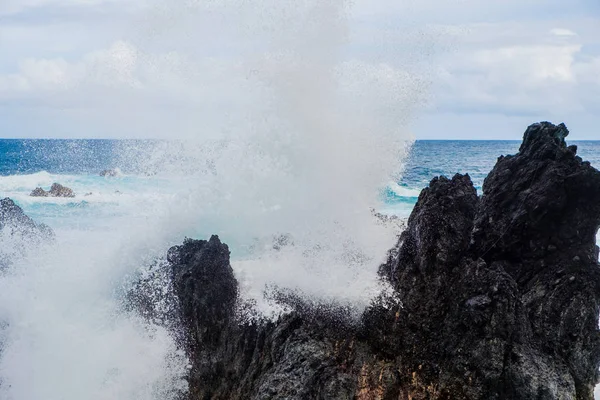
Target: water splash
304	155
293	140
66	336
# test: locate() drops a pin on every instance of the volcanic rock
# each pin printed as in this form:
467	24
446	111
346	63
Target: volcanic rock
494	297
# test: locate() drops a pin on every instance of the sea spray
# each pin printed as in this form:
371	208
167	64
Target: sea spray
66	335
305	158
281	135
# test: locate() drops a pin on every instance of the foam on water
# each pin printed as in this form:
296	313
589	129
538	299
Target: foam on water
15	183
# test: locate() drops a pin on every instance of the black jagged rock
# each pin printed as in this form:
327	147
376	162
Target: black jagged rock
494	297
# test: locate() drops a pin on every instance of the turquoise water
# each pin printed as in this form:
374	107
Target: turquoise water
27	164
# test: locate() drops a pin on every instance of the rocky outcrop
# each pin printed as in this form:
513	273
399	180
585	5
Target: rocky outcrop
235	358
495	297
505	289
18	232
56	190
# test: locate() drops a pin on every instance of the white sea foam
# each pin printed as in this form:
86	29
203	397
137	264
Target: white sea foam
13	183
65	335
403	191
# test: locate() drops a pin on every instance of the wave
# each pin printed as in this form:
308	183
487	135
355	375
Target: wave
15	183
403	191
63	322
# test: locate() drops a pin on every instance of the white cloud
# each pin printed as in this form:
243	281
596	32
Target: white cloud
530	65
123	88
188	61
13	7
519	74
588	71
38	77
562	32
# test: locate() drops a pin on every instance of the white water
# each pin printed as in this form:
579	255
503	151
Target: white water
316	137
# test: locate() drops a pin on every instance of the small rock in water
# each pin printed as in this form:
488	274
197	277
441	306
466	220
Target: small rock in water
39	192
56	190
110	173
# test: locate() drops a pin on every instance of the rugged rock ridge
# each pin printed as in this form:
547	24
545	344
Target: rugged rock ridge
499	297
505	289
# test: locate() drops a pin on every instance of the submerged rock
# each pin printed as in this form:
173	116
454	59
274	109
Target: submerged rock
495	297
56	190
111	173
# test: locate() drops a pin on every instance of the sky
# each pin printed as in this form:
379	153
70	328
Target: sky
442	69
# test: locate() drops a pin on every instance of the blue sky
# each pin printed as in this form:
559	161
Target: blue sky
436	69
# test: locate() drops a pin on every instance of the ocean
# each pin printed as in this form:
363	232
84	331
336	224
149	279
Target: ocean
27	164
65	304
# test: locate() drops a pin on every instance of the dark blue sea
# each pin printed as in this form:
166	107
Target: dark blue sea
26	164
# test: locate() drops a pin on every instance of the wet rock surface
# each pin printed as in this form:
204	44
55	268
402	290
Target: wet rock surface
495	297
13	218
56	190
18	232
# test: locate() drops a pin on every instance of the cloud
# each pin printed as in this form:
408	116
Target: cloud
126	91
15	7
141	67
562	32
39	77
534	76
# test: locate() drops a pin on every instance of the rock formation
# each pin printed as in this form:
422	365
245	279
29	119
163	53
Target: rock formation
495	297
18	232
56	190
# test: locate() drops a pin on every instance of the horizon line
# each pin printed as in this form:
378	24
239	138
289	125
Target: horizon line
415	140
